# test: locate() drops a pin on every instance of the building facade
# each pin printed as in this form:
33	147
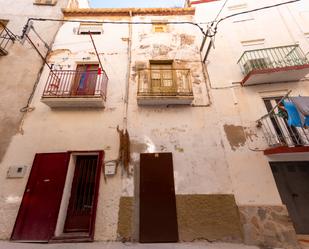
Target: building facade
257	59
16	54
133	137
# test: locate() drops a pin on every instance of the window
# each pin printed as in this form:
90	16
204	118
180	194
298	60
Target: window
172	85
159	26
161	73
93	28
45	2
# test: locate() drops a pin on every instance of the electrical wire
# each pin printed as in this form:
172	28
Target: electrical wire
250	11
220	11
212	32
41	39
26	108
105	22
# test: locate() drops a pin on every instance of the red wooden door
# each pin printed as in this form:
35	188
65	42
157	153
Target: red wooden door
85	80
158	218
83	192
38	213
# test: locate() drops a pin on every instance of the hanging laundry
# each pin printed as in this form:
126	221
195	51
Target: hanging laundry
302	104
293	115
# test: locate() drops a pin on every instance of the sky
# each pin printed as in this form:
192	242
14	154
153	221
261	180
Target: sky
136	3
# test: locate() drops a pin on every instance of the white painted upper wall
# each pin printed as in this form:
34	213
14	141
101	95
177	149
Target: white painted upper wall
251	175
284	25
84	4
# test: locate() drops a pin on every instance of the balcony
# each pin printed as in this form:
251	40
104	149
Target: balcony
277	64
164	87
280	137
6	37
74	88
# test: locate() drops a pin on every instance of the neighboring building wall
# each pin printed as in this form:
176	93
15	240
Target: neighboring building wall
182	130
20	68
239	107
20	71
47	130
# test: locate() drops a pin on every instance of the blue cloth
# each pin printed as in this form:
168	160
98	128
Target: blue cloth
293	115
307	121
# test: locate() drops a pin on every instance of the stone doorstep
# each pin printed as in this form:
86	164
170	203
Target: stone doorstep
303	240
119	245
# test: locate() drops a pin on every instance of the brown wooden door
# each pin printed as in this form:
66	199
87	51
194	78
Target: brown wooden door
292	179
158	218
85	80
38	213
83	192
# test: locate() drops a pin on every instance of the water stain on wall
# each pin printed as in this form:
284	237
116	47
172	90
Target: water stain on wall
235	135
138	147
186	39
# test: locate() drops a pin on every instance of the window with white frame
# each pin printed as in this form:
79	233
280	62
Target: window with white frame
45	2
93	28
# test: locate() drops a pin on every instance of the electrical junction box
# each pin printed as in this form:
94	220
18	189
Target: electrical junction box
16	172
110	168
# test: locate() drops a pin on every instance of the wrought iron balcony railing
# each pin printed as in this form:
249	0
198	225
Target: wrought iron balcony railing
6	37
164	82
272	58
277	132
76	84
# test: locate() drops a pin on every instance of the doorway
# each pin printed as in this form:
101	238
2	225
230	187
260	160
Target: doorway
292	180
43	210
85	80
81	205
158	217
37	216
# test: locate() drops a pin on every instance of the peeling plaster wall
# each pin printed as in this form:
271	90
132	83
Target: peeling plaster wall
19	69
238	108
198	156
216	146
47	130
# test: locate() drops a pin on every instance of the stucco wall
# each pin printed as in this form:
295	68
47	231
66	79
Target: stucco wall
47	130
178	129
216	146
238	107
19	69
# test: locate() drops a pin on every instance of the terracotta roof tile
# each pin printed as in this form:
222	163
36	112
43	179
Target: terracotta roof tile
126	11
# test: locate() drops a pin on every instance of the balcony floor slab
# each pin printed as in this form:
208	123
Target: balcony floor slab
164	100
57	102
284	74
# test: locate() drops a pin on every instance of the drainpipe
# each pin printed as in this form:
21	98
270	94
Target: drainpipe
126	97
